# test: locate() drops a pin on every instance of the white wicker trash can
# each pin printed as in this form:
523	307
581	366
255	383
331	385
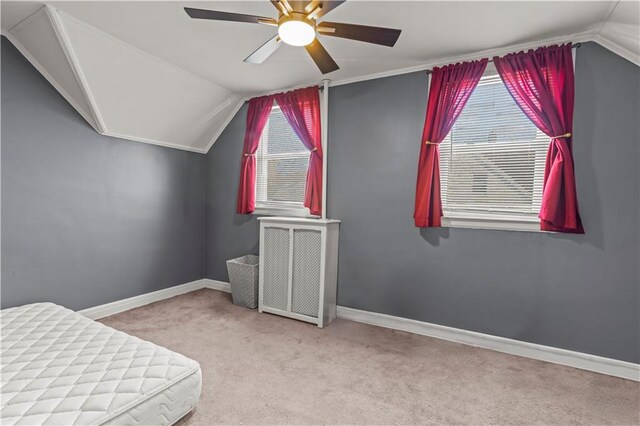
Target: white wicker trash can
243	276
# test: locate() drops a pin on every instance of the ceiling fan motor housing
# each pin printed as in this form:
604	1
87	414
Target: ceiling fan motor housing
296	29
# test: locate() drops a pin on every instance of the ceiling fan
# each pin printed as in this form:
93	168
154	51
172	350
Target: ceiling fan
297	26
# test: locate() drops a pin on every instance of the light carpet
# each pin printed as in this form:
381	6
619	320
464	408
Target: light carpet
264	369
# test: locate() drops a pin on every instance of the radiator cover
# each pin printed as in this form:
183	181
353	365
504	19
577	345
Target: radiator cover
298	268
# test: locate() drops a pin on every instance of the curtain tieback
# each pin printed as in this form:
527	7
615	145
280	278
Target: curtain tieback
430	143
246	154
314	150
566	135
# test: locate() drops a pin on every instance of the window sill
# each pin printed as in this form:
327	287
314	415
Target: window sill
283	211
496	222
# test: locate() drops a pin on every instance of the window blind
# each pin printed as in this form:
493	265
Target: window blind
282	162
493	159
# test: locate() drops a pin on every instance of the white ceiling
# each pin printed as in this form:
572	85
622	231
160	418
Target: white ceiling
180	70
621	32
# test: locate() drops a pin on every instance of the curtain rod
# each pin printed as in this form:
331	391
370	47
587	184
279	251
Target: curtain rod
320	86
575	46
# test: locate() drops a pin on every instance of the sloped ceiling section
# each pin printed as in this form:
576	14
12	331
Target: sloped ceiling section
120	90
38	41
170	106
145	71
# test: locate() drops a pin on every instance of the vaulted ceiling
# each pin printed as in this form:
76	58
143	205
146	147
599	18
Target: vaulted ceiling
145	71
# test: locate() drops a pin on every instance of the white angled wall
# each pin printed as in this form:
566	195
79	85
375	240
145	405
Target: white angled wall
141	97
120	90
38	41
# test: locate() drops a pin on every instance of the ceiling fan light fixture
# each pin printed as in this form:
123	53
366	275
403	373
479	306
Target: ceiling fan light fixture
296	32
297	26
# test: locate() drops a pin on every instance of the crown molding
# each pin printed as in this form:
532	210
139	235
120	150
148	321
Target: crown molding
222	128
153	142
217	110
88	117
579	37
616	48
65	44
593	34
27	20
55	18
94	117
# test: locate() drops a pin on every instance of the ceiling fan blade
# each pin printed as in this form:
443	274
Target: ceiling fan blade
283	6
302	5
375	35
321	57
328	6
306	6
264	51
227	16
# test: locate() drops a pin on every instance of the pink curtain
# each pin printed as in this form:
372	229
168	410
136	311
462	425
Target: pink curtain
257	116
541	83
450	89
302	110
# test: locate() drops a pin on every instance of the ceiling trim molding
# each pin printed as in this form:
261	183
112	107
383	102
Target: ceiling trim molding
234	101
222	128
25	21
579	37
43	71
611	45
78	73
217	110
614	47
80	76
154	142
607	16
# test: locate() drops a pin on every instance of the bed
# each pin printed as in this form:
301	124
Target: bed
58	367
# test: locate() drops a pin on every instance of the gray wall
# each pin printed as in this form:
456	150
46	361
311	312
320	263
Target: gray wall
88	219
228	234
576	292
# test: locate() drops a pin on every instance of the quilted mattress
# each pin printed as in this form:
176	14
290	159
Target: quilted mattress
58	367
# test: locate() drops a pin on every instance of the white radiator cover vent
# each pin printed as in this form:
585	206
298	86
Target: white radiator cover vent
298	268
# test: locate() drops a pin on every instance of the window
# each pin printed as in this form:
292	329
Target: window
492	163
282	162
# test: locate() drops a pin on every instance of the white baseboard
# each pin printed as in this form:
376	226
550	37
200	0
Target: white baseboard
612	367
118	306
217	285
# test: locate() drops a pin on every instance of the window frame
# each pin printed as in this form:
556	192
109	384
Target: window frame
504	221
282	208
